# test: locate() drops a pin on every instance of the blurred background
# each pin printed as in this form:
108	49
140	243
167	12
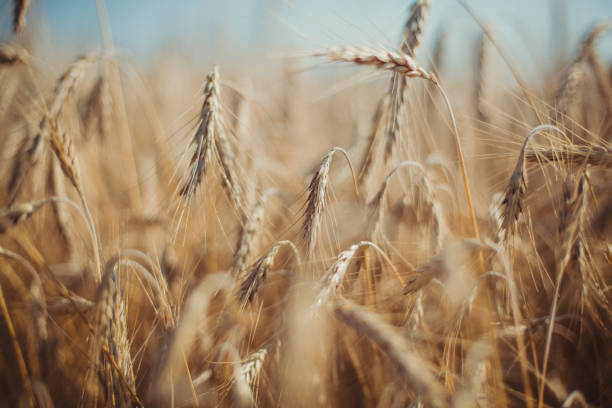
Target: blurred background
204	31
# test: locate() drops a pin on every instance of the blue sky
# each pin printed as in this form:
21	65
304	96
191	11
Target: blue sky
273	28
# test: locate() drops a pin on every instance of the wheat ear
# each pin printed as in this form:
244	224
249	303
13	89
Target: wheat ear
333	279
516	188
315	202
68	82
249	230
397	90
250	282
204	137
596	156
380	59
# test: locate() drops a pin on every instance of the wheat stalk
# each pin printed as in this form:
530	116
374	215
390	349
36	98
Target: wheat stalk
482	75
371	145
22	368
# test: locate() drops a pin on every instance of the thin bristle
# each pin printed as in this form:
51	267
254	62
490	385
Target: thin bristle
371	146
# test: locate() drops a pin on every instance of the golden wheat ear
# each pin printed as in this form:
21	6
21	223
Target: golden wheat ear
514	195
317	197
250	281
380	59
413	31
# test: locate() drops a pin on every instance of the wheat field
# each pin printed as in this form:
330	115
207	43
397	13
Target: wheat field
176	239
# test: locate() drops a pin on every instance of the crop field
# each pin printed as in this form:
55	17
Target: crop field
352	226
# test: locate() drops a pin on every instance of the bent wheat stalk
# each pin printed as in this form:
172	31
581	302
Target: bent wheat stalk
516	188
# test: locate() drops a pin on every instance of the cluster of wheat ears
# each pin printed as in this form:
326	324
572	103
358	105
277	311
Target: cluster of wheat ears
137	269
